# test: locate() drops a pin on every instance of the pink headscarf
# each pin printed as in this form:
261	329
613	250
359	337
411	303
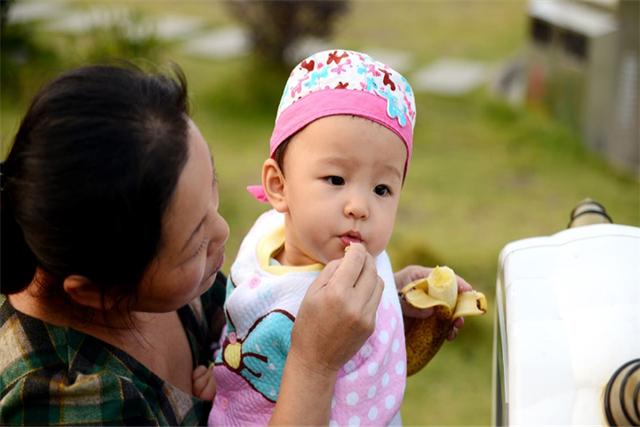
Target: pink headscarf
336	82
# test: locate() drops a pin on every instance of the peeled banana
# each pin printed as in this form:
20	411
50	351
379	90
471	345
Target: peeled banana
439	291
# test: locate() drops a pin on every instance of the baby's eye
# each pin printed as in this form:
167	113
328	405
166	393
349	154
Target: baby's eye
382	190
335	180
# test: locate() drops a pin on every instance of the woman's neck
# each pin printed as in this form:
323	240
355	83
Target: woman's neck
110	325
156	340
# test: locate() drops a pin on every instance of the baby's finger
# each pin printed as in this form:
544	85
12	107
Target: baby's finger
209	390
200	378
463	286
417	313
459	322
455	328
417	272
453	333
199	372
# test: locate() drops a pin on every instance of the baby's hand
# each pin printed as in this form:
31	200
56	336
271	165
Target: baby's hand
204	384
415	272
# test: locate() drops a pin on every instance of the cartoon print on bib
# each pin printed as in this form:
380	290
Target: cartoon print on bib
259	357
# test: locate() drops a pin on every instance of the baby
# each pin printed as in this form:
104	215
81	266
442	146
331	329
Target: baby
338	157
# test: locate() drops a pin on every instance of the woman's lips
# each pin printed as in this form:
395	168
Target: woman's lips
215	270
219	265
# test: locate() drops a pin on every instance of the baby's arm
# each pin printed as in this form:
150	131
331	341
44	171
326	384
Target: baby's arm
204	384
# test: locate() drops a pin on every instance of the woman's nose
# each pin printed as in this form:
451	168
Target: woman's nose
219	235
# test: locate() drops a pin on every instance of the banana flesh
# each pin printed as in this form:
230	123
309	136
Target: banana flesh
439	291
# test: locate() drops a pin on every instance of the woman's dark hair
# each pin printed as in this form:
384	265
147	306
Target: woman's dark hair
90	175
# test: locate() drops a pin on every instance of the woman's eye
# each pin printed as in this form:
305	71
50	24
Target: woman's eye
335	180
382	190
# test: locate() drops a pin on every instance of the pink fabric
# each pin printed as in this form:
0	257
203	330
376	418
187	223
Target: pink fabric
238	403
331	102
369	387
338	81
257	191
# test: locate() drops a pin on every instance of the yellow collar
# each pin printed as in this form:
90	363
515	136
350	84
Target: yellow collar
269	245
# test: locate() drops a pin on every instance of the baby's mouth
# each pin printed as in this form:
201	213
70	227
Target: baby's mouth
351	237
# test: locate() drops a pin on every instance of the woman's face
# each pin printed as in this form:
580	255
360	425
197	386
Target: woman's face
192	246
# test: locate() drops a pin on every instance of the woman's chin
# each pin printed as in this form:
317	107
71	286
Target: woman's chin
208	281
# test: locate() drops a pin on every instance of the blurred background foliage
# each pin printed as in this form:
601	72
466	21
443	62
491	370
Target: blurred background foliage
275	26
485	172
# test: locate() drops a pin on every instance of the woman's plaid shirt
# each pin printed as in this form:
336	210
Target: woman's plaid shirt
51	375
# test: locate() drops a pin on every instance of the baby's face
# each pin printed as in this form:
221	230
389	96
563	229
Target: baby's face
343	177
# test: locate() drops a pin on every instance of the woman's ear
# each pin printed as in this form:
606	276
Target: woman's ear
273	182
86	293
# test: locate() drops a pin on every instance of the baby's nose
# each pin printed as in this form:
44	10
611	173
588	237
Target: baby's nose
356	208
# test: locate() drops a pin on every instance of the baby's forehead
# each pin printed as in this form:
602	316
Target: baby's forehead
339	125
346	141
378	162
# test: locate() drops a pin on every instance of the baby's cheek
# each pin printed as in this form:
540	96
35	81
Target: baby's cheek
380	241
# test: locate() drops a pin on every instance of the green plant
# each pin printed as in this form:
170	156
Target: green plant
22	60
127	36
276	25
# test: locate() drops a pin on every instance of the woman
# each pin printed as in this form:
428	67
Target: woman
111	240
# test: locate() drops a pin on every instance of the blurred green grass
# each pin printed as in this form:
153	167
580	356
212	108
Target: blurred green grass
484	173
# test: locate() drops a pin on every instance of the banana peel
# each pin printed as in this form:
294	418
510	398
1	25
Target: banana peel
439	291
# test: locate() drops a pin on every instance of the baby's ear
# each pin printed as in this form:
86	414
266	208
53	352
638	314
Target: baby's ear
273	183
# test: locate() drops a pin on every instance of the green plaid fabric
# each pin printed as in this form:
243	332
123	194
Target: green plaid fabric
51	375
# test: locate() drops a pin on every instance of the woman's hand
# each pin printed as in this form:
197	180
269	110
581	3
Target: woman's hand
336	317
415	272
338	312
